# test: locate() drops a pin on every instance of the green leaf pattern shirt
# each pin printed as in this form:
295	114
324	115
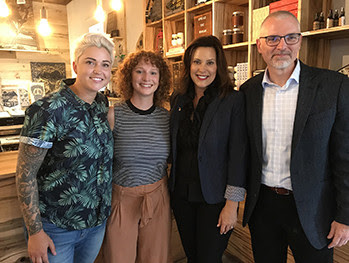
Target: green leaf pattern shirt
75	178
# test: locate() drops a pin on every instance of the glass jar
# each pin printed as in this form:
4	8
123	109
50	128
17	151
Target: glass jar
180	39
174	40
238	35
227	37
238	19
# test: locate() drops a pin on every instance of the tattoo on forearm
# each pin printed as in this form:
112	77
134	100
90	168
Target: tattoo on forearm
30	159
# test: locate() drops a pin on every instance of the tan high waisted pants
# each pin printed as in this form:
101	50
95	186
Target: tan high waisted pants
138	229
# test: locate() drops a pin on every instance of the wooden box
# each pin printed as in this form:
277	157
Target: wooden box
203	25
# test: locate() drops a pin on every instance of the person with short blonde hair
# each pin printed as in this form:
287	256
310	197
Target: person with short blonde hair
93	40
64	168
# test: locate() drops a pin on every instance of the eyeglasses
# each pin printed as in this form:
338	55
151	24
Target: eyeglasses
290	39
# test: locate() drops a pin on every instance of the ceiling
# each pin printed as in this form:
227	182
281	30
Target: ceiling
59	2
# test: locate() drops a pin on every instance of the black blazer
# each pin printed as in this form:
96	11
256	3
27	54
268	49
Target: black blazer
222	146
319	154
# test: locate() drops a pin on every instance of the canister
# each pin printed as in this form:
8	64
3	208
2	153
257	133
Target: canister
227	37
238	19
238	35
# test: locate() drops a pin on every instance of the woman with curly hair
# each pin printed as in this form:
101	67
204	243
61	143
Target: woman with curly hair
138	229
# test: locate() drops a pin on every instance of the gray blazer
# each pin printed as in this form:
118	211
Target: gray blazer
320	150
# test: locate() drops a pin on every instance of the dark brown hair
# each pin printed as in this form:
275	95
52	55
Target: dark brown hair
124	76
222	79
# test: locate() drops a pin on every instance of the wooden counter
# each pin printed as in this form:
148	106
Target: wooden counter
12	242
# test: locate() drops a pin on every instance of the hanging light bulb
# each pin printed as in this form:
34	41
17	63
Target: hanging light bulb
44	28
4	10
116	5
99	13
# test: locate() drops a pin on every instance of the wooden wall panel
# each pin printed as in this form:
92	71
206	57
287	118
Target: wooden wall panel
16	64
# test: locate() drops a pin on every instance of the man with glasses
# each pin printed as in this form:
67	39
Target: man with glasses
298	126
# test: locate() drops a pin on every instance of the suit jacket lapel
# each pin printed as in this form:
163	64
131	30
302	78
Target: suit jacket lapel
305	99
257	118
254	110
211	110
176	113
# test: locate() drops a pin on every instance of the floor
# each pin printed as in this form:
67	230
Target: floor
225	259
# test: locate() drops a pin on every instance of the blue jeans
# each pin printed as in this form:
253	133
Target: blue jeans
79	246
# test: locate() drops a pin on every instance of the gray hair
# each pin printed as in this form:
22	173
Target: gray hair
93	40
282	14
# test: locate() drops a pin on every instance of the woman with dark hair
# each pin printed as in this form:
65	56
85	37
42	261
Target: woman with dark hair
209	152
138	229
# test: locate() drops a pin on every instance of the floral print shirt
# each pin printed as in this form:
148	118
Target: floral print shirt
75	178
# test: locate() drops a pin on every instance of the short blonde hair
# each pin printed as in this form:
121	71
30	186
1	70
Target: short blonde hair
94	40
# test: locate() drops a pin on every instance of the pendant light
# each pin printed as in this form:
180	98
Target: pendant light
4	10
116	5
44	28
99	13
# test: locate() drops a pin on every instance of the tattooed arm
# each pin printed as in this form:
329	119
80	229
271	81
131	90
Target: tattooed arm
30	159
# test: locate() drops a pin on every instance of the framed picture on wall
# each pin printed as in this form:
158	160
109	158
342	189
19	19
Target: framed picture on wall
49	73
36	90
15	96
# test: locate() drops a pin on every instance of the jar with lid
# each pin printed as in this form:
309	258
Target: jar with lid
227	37
238	35
174	40
180	38
238	19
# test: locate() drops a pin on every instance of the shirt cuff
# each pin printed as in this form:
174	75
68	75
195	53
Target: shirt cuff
36	142
234	193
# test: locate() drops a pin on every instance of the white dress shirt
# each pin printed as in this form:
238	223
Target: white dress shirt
279	108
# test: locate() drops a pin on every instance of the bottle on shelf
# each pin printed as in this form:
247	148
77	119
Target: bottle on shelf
336	18
329	21
159	42
341	21
316	22
322	20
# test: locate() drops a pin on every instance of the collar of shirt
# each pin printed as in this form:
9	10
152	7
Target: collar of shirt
267	83
73	98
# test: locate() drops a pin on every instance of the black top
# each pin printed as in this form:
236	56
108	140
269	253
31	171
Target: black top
188	179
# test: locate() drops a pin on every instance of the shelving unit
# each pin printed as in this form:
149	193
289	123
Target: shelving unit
183	21
313	43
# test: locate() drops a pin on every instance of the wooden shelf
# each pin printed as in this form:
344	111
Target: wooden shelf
243	46
11	127
157	23
176	16
329	33
23	50
201	7
174	55
117	38
235	2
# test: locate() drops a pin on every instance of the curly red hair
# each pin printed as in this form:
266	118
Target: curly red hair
124	76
